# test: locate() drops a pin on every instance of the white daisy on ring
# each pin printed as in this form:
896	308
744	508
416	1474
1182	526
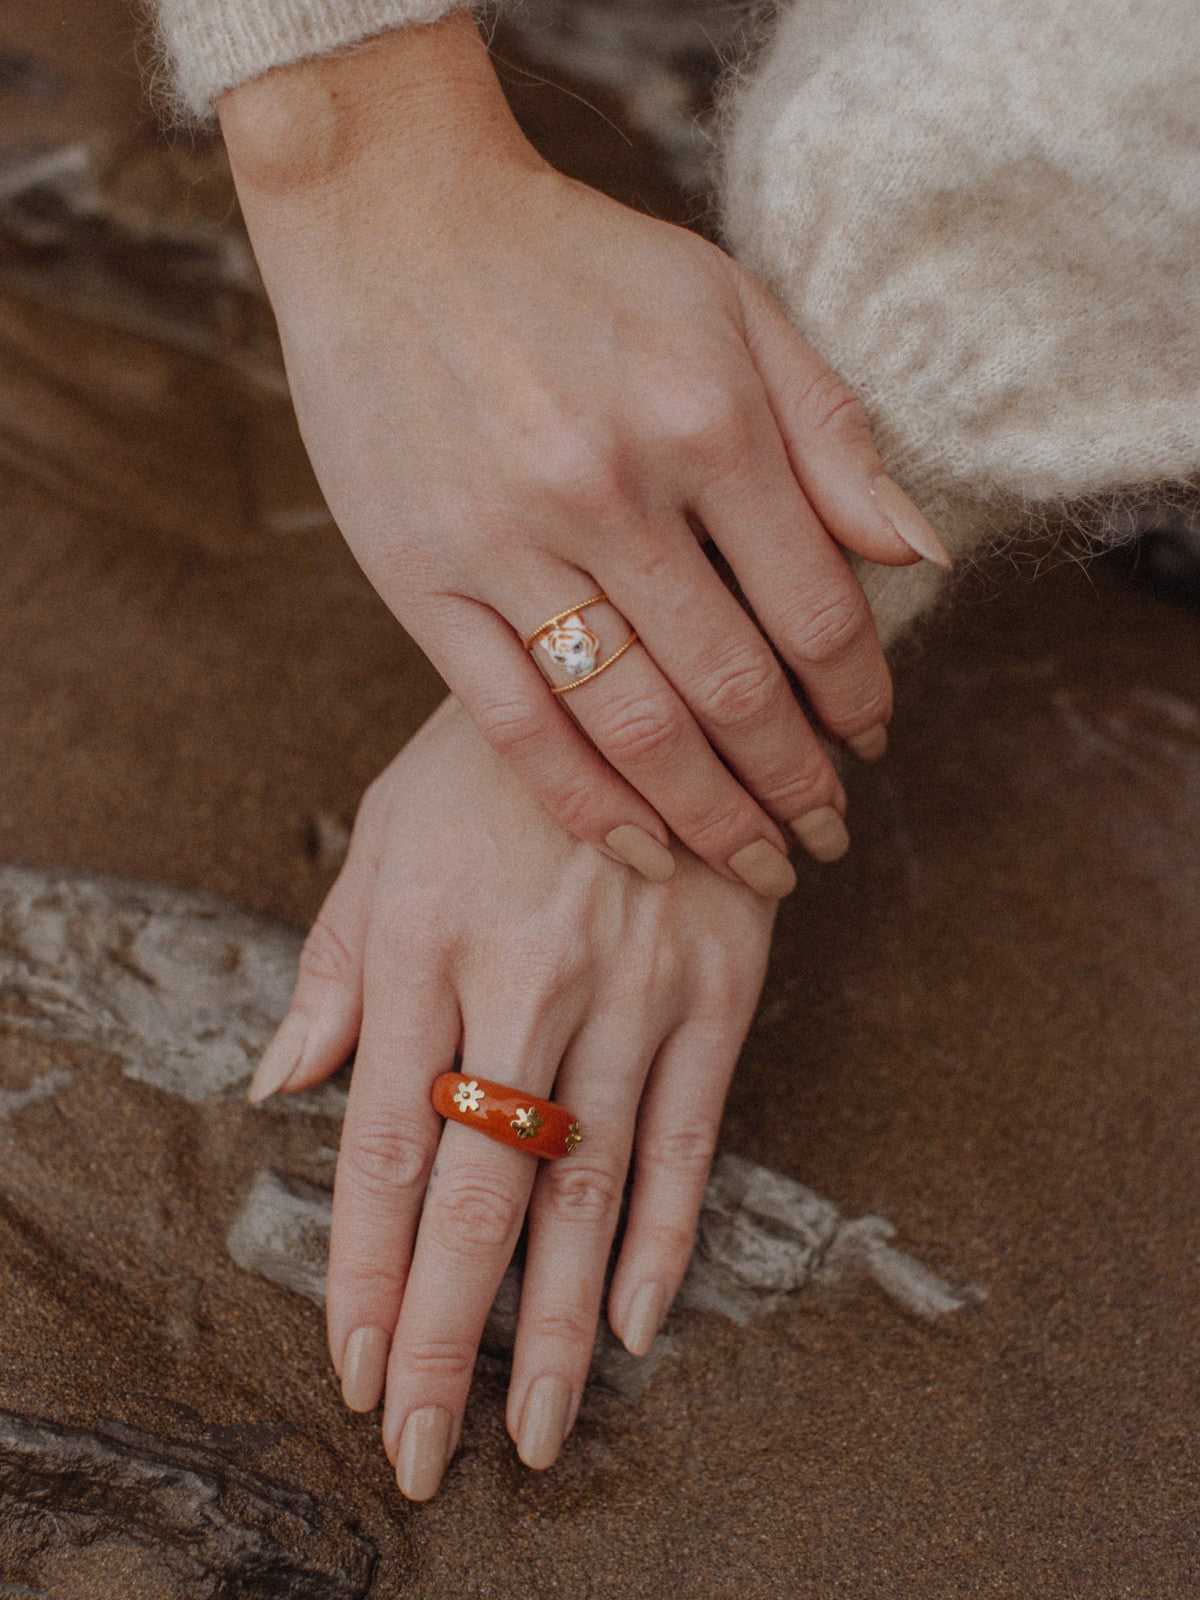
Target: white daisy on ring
468	1096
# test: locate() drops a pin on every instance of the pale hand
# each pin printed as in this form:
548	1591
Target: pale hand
516	393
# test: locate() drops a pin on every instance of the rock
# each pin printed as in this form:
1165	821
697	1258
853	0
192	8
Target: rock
212	1528
762	1238
184	987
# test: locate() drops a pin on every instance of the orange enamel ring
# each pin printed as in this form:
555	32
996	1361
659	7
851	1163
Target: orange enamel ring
538	1127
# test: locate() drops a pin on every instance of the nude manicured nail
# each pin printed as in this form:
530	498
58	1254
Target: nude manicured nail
641	851
363	1367
822	833
917	533
644	1319
767	870
280	1058
544	1421
871	745
423	1452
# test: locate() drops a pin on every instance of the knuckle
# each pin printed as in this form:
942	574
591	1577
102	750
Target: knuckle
708	422
567	1326
362	1283
641	730
873	706
668	1243
446	1359
386	1159
806	781
710	833
832	407
511	726
730	992
743	690
474	1218
687	1151
588	1194
573	470
326	955
829	629
572	800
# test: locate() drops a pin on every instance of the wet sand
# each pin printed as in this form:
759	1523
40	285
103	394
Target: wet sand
983	1025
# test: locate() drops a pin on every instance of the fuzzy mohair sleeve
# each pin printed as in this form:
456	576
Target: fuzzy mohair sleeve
987	218
208	46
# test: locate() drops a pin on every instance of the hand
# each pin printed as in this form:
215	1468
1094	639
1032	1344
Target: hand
465	921
517	393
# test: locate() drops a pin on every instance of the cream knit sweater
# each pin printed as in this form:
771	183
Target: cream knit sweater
208	46
985	215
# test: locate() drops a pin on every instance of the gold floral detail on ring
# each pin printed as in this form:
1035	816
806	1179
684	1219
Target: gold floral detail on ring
565	688
527	1124
561	616
574	1137
469	1096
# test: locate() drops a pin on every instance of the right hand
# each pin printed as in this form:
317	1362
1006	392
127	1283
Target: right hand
517	393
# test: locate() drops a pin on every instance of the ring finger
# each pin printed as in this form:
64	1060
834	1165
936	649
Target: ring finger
572	1218
474	1207
636	718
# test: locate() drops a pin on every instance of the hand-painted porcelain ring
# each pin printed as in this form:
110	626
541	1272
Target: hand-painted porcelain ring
538	1127
572	648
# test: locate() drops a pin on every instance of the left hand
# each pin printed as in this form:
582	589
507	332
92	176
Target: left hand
465	921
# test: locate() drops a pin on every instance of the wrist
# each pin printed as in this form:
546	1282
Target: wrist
418	108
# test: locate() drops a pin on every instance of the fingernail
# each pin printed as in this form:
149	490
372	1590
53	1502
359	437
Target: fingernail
363	1367
644	1319
280	1058
822	833
767	870
544	1421
871	745
641	851
423	1452
917	533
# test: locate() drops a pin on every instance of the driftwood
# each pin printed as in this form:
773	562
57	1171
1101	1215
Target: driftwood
212	1528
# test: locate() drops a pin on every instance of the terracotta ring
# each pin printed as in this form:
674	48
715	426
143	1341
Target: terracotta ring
571	652
524	1121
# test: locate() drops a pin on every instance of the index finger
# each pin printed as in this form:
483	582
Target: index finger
410	1034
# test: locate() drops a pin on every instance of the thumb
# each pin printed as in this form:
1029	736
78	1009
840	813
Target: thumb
827	434
322	1026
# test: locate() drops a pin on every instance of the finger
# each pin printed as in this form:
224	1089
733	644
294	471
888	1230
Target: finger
732	683
676	1139
827	433
636	719
507	698
474	1209
321	1027
410	1034
572	1218
803	592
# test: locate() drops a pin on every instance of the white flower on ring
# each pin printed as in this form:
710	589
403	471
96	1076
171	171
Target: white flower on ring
467	1096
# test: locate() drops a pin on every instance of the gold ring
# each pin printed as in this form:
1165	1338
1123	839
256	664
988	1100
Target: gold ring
574	647
561	616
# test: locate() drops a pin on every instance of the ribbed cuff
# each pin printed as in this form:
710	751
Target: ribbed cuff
208	46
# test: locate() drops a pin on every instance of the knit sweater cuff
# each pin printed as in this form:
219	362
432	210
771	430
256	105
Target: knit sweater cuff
208	46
